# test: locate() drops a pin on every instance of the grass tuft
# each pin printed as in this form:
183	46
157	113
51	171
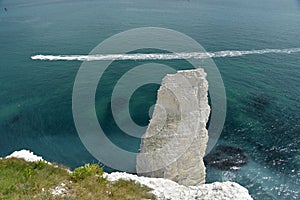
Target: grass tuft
85	171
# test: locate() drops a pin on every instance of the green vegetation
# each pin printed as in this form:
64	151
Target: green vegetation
36	180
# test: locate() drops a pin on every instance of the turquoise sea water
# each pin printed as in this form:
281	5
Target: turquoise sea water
262	90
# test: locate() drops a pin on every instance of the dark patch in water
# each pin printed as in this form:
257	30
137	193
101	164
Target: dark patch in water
15	119
259	103
276	157
226	158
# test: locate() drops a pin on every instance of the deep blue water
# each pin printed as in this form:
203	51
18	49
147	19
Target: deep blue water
262	90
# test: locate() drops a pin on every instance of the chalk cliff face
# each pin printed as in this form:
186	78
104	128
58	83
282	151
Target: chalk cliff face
175	141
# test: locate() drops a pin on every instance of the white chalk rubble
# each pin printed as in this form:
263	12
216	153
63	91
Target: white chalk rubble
26	155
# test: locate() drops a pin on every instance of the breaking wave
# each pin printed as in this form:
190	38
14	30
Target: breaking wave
160	56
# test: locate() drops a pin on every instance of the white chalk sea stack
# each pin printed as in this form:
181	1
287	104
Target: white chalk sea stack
174	144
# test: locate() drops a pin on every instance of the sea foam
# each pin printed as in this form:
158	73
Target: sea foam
162	56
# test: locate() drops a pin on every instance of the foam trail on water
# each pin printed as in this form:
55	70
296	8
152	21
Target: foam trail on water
160	56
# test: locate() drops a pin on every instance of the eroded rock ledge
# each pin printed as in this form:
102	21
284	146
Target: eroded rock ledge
175	141
164	189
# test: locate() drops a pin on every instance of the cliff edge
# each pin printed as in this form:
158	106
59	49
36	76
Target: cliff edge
61	187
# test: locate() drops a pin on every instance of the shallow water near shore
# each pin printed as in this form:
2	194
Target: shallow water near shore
262	90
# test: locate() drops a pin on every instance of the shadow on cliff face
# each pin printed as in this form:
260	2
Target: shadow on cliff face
226	158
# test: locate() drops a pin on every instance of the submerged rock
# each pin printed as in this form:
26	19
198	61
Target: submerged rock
258	104
15	119
175	141
226	158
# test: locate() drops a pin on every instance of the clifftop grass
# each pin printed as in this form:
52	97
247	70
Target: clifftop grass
38	180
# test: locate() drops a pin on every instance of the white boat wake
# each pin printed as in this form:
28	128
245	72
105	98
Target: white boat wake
162	56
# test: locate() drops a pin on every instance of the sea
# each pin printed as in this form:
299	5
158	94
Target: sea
262	89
